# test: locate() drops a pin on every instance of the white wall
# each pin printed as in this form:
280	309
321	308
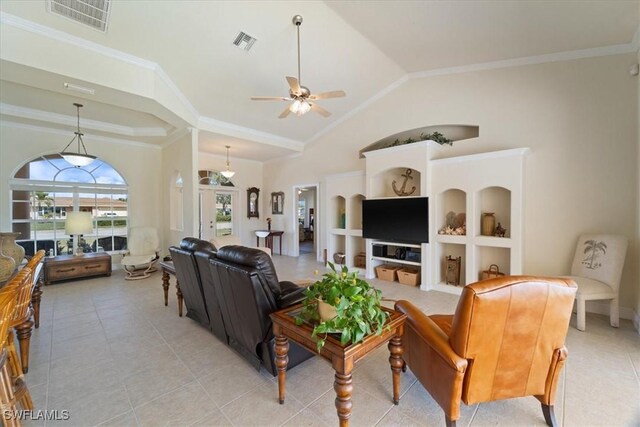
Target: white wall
637	241
578	117
180	156
140	167
248	174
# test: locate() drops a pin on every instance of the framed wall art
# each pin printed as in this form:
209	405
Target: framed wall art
252	202
277	203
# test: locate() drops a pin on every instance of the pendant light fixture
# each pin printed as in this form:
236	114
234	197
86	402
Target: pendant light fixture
77	159
227	173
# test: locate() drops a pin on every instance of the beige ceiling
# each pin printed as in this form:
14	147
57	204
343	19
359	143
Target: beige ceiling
360	47
428	35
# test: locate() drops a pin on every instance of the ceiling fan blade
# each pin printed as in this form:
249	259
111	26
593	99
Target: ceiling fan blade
270	98
325	95
285	113
318	109
294	85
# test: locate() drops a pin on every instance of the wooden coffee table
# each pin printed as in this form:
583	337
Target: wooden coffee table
342	357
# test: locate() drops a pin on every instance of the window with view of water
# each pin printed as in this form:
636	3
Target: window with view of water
45	189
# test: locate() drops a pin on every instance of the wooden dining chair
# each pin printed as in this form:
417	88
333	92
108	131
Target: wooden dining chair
7	398
18	287
22	323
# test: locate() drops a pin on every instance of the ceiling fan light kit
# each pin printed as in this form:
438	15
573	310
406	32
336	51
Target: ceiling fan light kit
300	107
301	95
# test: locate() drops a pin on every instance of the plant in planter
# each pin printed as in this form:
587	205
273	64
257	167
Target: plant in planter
435	136
356	307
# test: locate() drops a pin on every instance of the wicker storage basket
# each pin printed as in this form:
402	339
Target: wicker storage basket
387	272
491	273
409	276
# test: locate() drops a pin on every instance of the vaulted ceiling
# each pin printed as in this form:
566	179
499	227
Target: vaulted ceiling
164	65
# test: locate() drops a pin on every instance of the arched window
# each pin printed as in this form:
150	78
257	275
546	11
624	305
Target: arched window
44	189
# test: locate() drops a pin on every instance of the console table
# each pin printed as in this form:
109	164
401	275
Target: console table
269	239
65	267
341	356
169	269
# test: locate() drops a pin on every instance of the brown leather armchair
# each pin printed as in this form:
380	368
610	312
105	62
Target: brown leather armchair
505	340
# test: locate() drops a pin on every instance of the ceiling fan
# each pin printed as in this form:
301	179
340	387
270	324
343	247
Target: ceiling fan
300	95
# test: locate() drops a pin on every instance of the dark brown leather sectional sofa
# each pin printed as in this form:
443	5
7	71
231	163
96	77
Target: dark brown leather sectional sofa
232	291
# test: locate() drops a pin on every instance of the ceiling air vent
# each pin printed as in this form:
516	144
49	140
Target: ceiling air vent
244	41
93	13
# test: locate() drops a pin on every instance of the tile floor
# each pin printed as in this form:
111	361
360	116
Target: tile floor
111	353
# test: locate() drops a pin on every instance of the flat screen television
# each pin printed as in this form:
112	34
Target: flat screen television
402	220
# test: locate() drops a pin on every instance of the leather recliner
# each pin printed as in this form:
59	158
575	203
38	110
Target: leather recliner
248	292
505	340
203	310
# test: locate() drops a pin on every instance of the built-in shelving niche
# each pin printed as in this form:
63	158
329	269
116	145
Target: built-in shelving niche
453	132
382	183
357	246
454	250
336	244
338	212
452	200
498	201
488	255
355	212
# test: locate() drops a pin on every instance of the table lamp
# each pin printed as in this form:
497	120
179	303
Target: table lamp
77	224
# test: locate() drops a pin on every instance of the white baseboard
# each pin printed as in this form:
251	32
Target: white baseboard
603	308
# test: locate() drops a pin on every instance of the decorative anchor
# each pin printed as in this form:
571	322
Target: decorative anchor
407	176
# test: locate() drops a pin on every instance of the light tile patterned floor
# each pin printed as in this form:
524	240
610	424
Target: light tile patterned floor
111	353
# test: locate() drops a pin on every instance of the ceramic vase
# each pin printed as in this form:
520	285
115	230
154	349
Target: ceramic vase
11	248
7	264
488	224
326	311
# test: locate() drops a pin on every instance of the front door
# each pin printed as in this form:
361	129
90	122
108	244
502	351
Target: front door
217	213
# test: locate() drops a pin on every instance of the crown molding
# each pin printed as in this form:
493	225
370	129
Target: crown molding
32	27
61	36
529	60
175	136
230	129
23	126
61	119
223	157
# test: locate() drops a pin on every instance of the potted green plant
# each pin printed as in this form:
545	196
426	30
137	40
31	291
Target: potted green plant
350	307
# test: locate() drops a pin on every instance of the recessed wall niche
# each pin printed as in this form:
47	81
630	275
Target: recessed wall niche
498	201
404	179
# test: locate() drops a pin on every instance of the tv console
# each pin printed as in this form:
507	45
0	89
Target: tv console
402	253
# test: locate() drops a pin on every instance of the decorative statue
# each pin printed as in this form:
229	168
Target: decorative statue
500	232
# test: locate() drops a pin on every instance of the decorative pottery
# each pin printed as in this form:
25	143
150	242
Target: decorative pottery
11	248
326	311
7	264
339	258
488	224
